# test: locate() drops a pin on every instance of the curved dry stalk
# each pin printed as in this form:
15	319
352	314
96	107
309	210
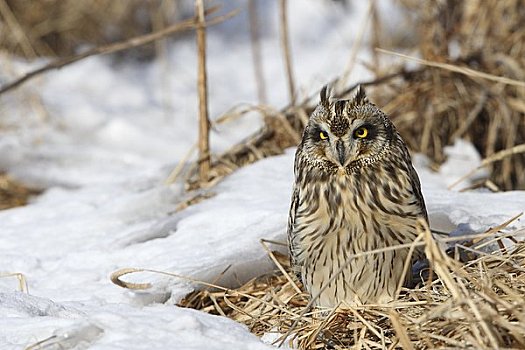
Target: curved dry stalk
116	279
141	40
457	69
489	160
22	280
279	266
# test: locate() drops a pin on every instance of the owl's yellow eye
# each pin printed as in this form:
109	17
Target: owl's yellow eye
361	133
322	135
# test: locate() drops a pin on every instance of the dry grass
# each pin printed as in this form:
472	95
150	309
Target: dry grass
59	27
21	279
470	84
431	106
472	296
442	102
13	193
479	304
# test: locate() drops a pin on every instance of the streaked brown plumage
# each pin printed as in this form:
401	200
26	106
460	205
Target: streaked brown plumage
355	190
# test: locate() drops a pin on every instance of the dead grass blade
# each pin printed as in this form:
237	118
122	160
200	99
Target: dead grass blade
457	69
487	161
22	280
401	332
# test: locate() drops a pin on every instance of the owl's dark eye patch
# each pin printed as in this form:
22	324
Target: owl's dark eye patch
318	134
365	131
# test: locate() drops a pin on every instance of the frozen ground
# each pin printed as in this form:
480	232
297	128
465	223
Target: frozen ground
98	138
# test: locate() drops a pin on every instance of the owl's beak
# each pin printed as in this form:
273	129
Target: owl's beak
341	152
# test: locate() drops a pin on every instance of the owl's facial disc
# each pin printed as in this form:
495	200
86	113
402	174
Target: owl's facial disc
345	131
358	139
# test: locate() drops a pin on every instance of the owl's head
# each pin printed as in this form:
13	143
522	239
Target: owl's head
346	131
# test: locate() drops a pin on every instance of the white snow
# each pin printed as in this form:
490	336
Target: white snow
98	137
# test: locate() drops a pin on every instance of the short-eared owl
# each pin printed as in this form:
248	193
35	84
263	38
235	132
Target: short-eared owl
355	191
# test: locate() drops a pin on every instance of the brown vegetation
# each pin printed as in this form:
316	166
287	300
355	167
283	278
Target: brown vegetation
13	193
475	304
60	27
475	92
431	106
467	299
437	105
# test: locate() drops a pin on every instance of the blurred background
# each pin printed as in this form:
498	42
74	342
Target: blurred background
136	110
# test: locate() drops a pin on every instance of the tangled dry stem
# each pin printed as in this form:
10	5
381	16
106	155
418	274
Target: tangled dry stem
472	296
441	103
13	193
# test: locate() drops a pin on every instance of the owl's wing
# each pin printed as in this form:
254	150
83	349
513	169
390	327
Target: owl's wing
291	233
413	177
416	188
419	261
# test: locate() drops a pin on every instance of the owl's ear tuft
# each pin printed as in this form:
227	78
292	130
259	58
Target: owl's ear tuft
359	97
325	97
